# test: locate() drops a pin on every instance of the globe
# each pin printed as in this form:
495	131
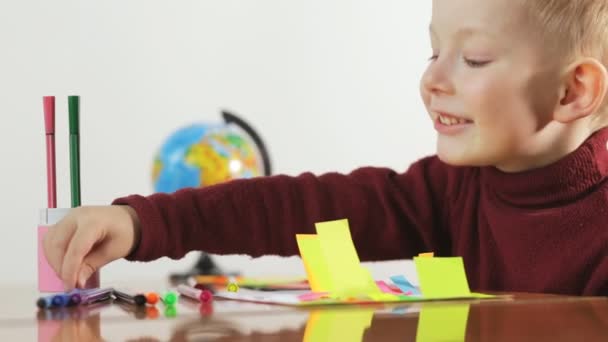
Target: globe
204	154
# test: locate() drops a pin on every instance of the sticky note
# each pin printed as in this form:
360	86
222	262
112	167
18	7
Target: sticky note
404	285
384	287
442	323
348	277
337	325
442	277
427	255
314	262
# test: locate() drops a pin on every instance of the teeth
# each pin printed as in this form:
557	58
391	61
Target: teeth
450	121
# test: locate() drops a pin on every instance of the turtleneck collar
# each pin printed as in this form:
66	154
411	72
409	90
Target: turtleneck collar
563	181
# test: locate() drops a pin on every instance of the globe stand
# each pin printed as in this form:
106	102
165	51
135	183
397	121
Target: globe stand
203	266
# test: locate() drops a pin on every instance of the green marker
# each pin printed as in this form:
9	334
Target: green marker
74	112
169	298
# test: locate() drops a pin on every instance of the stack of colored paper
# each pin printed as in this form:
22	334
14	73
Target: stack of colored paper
258	283
335	275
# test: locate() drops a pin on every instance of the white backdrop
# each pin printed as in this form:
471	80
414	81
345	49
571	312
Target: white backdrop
331	85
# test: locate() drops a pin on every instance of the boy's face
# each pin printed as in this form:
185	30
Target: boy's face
491	84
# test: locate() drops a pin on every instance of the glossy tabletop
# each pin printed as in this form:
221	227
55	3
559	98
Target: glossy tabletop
522	317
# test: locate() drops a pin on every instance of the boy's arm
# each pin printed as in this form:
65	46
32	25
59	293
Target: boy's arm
391	216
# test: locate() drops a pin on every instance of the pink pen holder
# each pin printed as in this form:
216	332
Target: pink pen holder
48	281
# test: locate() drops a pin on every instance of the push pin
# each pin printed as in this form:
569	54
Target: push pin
232	287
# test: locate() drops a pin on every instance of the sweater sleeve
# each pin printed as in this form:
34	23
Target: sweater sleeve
391	216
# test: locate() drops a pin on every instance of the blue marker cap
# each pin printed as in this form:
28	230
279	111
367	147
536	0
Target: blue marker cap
59	300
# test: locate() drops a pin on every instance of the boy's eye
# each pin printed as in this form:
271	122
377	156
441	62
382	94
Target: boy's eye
475	63
433	57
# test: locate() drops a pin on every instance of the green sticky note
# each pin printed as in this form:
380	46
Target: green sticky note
442	277
314	262
337	325
442	323
348	277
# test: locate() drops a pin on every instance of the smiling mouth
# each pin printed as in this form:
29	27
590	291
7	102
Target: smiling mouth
450	120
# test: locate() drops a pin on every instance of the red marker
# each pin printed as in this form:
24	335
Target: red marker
49	128
196	294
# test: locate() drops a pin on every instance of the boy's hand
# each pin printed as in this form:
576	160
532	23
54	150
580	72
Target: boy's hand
88	238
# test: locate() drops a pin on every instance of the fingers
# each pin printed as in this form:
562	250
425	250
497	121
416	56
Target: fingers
56	241
79	246
97	258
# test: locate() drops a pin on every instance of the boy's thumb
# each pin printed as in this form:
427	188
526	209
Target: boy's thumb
90	264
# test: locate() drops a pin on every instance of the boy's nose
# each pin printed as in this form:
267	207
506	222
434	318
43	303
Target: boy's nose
435	79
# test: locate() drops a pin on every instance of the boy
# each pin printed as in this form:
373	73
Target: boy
516	90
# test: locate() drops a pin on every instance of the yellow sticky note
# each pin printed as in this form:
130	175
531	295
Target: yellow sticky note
348	277
442	323
337	325
314	262
427	255
442	277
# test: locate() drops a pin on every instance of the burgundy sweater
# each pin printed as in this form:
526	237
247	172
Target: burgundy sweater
543	230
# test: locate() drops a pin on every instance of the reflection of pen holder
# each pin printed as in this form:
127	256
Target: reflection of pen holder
48	281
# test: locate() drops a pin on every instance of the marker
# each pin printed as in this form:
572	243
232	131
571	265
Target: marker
45	302
169	298
60	300
152	298
138	312
196	294
131	298
74	118
74	299
49	127
96	295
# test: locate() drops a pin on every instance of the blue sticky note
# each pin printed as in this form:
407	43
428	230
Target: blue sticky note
404	285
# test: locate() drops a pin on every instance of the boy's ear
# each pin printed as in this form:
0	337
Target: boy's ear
583	90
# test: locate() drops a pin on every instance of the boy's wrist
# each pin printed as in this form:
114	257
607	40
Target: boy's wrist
136	226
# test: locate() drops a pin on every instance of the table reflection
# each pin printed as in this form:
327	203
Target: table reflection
580	320
78	323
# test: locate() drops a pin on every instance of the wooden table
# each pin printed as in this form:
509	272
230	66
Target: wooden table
525	317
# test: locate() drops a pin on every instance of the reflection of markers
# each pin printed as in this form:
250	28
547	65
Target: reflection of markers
139	312
170	311
204	309
96	295
196	294
131	298
169	298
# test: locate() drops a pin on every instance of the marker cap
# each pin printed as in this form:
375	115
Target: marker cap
49	114
74	109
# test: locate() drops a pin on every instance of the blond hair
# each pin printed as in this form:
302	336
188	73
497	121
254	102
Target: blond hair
575	28
579	27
